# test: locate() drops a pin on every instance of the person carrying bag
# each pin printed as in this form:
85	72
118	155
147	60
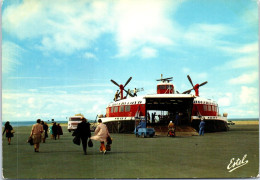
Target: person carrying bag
83	133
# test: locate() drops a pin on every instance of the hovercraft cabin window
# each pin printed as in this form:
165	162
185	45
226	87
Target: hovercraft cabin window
169	87
162	87
121	109
127	108
205	107
115	109
112	109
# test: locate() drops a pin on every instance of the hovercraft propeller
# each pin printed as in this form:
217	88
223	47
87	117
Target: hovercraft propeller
196	87
122	87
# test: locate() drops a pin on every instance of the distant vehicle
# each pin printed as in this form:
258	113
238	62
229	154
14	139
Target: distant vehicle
73	122
144	132
231	123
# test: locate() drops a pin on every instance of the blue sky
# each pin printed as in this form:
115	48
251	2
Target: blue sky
58	56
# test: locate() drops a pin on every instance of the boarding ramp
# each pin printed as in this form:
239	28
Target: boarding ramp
183	130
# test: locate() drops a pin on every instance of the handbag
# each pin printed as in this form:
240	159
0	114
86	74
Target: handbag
108	147
109	140
76	140
90	143
12	131
30	140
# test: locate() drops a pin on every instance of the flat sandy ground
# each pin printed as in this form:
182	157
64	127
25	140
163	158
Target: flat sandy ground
246	122
160	157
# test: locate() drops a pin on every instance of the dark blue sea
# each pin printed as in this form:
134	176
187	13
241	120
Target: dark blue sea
28	123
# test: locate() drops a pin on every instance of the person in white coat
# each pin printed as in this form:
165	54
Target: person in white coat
101	134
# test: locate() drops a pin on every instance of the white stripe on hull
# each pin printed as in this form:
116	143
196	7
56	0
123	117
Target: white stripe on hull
109	119
219	118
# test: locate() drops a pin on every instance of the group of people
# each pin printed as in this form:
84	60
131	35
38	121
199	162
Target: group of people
55	131
171	128
39	133
128	92
101	134
83	131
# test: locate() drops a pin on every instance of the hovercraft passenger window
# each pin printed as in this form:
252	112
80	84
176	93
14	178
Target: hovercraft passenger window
127	108
121	109
205	107
116	109
162	87
112	109
75	119
169	87
209	108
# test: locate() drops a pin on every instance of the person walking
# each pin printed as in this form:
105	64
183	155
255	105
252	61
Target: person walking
177	117
202	127
36	134
101	134
54	130
83	131
45	128
8	132
59	131
171	129
50	131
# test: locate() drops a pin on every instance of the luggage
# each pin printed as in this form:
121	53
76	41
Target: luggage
108	147
109	140
30	140
76	140
90	143
172	133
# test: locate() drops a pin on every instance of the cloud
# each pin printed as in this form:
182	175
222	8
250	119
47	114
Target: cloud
89	55
11	54
250	15
60	26
225	100
205	35
28	78
249	95
147	52
185	70
243	62
244	56
65	27
104	91
56	105
245	49
245	78
77	86
144	22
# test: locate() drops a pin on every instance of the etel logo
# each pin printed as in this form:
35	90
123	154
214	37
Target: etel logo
234	164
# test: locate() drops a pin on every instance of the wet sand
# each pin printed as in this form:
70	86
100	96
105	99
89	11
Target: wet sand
205	156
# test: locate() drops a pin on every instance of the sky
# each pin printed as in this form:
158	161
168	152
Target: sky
58	57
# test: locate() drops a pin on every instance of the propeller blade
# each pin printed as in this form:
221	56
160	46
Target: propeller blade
178	92
203	83
127	81
127	92
190	80
114	82
187	92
